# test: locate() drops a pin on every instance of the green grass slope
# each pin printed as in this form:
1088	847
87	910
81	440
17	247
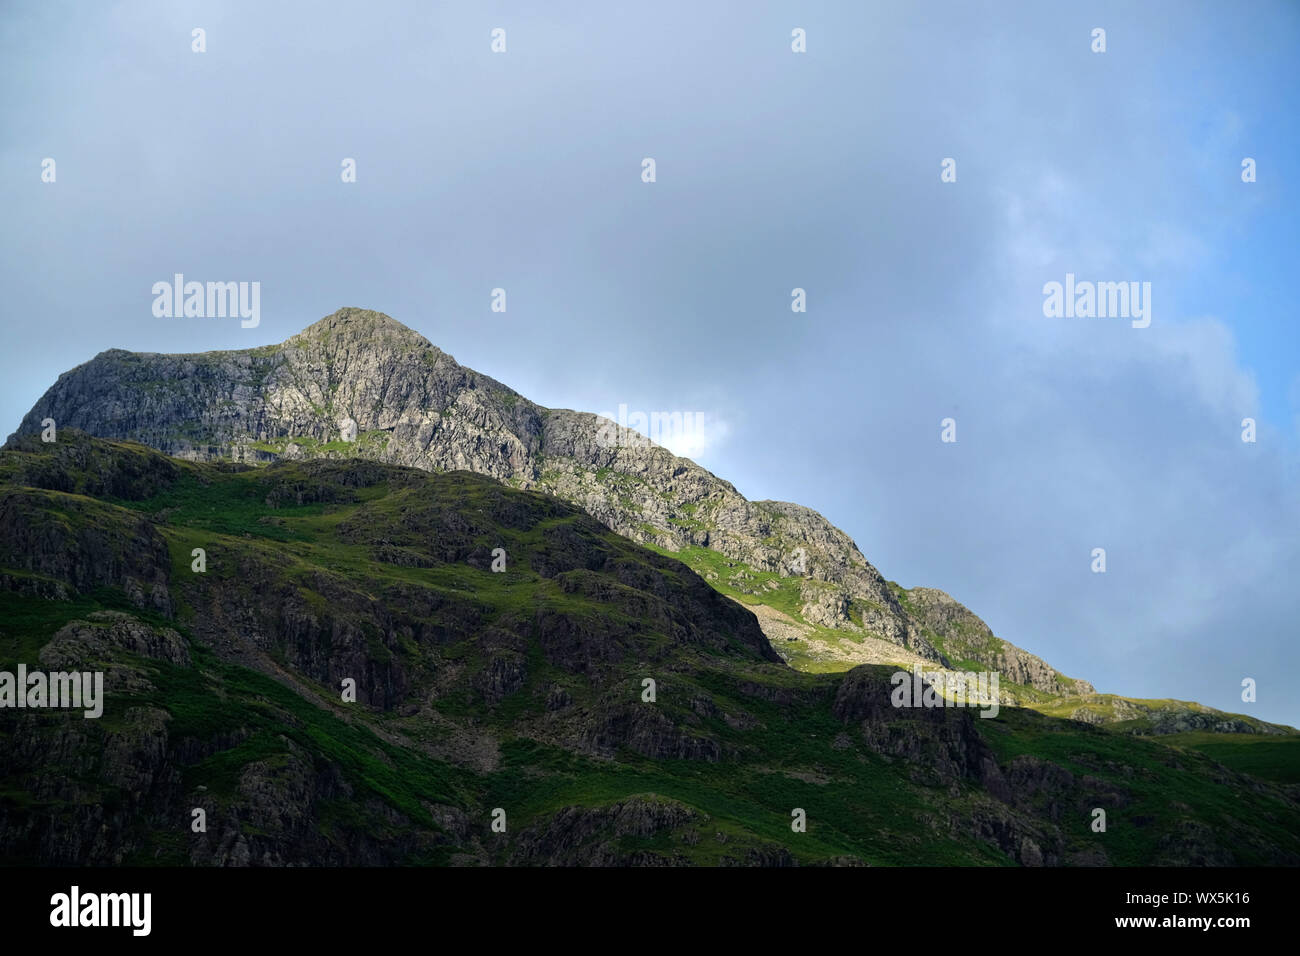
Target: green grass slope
515	695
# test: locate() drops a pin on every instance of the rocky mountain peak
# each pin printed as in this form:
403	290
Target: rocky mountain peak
364	328
359	384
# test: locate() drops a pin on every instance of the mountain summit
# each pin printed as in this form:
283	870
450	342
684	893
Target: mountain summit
338	660
359	384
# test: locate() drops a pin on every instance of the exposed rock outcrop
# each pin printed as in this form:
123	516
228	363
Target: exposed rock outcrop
412	404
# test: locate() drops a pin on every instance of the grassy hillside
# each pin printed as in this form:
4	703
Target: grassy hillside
518	690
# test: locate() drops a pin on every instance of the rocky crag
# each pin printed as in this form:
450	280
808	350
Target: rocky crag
412	404
358	384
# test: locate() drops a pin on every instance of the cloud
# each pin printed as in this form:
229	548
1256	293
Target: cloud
695	442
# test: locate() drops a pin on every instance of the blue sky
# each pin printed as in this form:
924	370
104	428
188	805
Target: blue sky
775	170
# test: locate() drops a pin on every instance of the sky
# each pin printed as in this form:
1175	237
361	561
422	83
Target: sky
774	170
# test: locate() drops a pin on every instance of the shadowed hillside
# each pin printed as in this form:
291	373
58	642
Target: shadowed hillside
520	690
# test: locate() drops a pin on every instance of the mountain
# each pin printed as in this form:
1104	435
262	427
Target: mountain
500	641
360	385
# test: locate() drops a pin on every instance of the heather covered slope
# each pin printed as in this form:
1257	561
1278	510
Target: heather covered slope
519	690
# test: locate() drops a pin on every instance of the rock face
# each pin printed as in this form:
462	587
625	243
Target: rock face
359	384
964	637
48	555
